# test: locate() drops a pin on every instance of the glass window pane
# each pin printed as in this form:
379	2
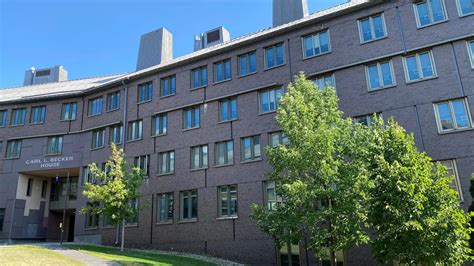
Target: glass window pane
466	6
233	108
224	110
269	57
437	10
374	77
230	151
366	30
219	74
426	66
460	113
195	78
196	117
252	63
423	14
308	46
386	74
272	99
264	100
204	76
247	148
256	147
279	55
243	65
445	116
227	69
412	68
378	26
324	42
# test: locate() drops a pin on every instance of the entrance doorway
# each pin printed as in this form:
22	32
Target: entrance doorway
70	231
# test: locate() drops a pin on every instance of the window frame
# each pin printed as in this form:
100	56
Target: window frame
94	138
29	187
453	116
228	102
188	194
170	82
430	10
253	157
90	102
456	179
117	101
163	119
228	196
18	149
227	161
419	67
247	60
380	75
278	200
274	46
277	101
170	162
222	64
323	77
22	118
313	35
3	117
95	219
281	137
458	4
201	83
471	51
72	116
192	109
169	202
112	134
203	157
148	90
135	130
41	114
372	28
143	161
58	148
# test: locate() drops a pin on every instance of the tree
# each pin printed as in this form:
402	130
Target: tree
114	190
414	212
324	191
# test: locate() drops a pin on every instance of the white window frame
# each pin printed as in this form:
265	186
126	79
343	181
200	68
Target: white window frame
227	194
420	70
372	28
163	122
379	72
318	42
253	156
456	180
455	129
470	52
428	2
227	160
458	4
203	157
170	162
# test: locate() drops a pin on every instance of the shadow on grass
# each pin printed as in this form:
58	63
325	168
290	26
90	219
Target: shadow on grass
135	257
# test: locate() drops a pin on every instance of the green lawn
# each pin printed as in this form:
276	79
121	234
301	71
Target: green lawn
136	257
32	255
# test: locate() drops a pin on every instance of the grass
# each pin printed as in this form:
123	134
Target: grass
136	257
33	255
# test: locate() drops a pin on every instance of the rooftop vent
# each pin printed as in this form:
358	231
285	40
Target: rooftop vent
210	38
156	47
45	75
285	11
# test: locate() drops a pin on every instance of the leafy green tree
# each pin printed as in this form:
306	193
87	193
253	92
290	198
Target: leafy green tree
471	210
414	212
324	192
114	190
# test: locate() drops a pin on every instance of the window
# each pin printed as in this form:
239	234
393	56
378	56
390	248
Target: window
228	201
325	81
372	28
290	255
251	148
247	64
168	86
135	130
222	71
145	92
159	124
228	109
3	118
470	47
465	7
429	12
191	117
189	205
270	99
98	138
92	219
278	138
143	162
274	56
13	149
18	117
224	152
166	162
316	44
44	188
380	75
452	171
2	218
133	218
87	176
199	157
29	187
68	111
37	114
452	115
419	66
115	134
113	101
55	145
95	106
165	208
199	77
365	120
272	199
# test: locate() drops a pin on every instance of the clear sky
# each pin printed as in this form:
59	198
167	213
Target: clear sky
99	37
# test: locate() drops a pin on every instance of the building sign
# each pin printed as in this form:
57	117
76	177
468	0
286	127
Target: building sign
49	161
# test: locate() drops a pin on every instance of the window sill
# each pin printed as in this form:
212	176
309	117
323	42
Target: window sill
165	174
98	148
188	221
160	135
90	116
164	223
381	88
251	160
53	154
19	125
116	144
167	96
227	121
147	101
432	24
273	67
188	129
421	80
12	158
466	15
67	120
198	169
227	218
374	40
112	110
317	55
248	74
37	123
134	140
223	165
197	88
268	112
455	131
221	81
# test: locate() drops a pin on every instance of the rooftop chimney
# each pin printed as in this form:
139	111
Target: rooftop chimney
45	75
285	11
156	47
211	38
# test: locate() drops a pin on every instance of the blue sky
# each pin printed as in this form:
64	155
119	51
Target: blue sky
99	37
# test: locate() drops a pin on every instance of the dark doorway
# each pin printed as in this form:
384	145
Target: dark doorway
70	231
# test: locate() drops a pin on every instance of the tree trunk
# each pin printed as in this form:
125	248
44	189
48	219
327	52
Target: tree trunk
122	244
332	257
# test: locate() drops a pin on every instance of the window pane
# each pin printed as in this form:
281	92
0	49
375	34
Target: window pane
221	153
247	148
308	46
264	99
366	30
467	6
378	26
374	77
233	108
460	113
412	68
269	57
227	69
219	76
252	63
426	66
196	117
225	110
230	151
194	206
386	74
445	116
437	9
256	147
423	14
324	42
279	55
195	78
272	99
243	65
204	76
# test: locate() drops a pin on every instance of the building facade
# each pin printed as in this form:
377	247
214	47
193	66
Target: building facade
198	125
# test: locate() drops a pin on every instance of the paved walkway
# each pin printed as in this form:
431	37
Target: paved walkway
76	255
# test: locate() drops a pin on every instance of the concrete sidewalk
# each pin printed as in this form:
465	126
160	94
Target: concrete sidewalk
76	255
